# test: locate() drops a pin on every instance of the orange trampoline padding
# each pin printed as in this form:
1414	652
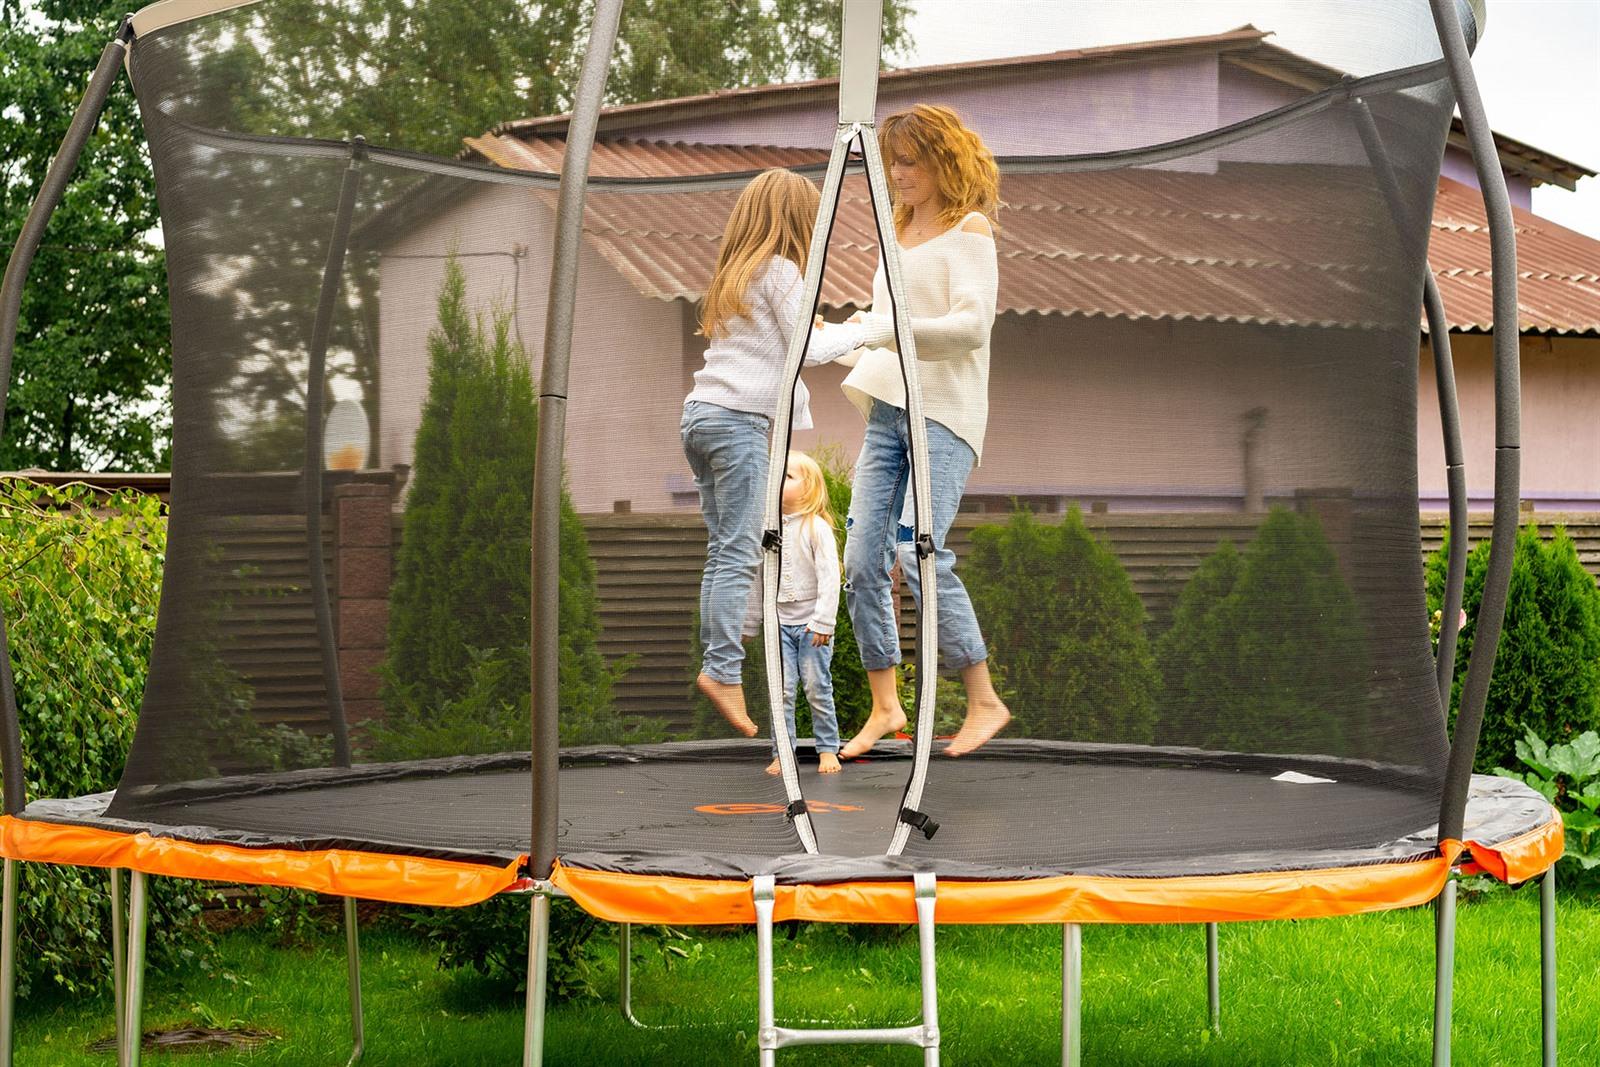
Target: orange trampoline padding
338	872
621	897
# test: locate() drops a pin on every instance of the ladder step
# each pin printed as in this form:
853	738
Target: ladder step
770	1037
783	1036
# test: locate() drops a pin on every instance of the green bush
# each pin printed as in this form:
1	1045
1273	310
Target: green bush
1568	776
457	671
80	578
1065	629
456	679
1266	651
1547	669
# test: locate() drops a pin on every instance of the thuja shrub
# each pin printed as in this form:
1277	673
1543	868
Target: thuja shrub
1266	651
1546	679
1065	628
456	679
80	579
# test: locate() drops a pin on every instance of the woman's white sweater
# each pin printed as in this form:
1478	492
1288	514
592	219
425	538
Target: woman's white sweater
951	283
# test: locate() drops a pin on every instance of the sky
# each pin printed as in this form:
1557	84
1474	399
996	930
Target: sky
1538	65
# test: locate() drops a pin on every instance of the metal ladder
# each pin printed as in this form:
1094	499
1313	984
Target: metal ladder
770	1037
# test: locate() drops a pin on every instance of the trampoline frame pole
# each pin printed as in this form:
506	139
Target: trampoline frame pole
133	1020
1071	995
119	952
545	588
1213	980
1547	967
8	961
1444	970
352	948
538	975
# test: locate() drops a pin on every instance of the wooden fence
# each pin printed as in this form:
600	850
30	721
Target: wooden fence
649	574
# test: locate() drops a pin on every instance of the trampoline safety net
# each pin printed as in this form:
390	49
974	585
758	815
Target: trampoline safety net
1176	480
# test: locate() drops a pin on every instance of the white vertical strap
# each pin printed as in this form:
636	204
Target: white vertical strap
860	48
777	460
928	616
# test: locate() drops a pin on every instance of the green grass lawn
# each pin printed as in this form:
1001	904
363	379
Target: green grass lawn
1328	991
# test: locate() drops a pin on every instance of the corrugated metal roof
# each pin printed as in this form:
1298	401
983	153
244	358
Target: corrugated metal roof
1248	243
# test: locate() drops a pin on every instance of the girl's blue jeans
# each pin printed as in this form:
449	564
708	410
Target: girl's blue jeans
811	666
727	450
876	497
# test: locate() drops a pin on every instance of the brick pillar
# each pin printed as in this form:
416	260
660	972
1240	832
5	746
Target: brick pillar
363	555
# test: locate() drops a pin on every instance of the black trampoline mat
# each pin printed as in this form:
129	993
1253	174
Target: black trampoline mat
708	809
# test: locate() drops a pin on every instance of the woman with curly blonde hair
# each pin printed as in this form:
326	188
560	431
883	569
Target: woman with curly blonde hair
945	187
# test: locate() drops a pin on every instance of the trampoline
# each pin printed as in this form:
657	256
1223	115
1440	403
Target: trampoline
1277	245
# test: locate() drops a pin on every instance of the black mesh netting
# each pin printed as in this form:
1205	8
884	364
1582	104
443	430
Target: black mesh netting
1192	535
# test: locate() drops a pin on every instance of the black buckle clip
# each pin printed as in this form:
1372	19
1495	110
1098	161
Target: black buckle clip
772	540
919	821
796	809
924	546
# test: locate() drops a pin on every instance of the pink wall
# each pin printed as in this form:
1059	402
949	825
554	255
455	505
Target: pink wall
1560	433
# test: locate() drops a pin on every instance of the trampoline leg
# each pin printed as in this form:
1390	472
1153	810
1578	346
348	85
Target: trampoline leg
119	953
133	1021
926	889
538	972
1213	980
352	948
8	962
1444	972
1547	966
766	1013
1071	995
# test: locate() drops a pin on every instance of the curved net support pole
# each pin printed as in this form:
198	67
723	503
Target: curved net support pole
1407	226
777	461
1508	460
1455	472
858	92
316	381
1547	967
22	253
551	451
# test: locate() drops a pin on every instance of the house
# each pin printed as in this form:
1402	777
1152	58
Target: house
1169	338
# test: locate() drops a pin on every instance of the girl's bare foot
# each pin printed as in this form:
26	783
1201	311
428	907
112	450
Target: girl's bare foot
983	721
827	763
729	702
878	724
775	768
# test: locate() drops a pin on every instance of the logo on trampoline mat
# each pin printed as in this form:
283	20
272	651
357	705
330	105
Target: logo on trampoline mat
817	807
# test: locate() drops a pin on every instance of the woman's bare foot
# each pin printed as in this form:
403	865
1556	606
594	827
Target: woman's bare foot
987	714
983	721
729	702
775	768
827	763
878	724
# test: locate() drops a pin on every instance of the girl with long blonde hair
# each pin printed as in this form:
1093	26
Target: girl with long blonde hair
751	309
945	187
